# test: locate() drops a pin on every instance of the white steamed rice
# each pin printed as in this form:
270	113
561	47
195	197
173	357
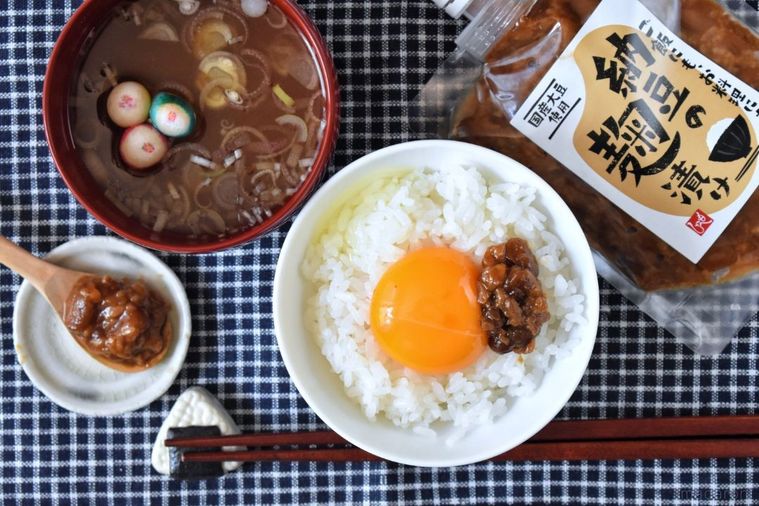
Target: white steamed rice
454	206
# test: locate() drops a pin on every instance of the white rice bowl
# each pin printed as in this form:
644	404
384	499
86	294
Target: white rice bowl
453	206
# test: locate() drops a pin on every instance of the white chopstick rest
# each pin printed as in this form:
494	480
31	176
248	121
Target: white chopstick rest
196	406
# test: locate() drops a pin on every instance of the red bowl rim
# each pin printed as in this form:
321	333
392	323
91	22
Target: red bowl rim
322	159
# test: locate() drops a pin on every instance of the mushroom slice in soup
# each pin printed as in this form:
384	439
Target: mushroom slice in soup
160	31
221	65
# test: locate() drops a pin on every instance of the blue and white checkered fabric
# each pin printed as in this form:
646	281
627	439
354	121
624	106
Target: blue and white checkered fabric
384	50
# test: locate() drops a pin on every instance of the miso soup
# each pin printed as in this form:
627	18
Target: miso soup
247	103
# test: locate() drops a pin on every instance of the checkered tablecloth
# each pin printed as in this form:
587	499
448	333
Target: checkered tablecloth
384	52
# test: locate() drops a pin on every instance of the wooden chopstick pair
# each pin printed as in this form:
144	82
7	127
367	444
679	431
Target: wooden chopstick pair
644	438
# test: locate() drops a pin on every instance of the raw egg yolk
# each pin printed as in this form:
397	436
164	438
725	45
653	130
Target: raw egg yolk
424	311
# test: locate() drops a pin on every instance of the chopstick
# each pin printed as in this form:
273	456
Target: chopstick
650	428
645	438
326	437
309	454
644	449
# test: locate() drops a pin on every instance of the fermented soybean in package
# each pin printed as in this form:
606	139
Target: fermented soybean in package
644	121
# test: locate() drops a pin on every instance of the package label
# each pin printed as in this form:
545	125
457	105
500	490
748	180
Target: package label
656	127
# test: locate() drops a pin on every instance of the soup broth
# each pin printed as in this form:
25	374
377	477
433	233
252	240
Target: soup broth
254	88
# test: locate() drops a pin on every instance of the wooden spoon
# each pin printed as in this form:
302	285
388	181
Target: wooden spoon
55	284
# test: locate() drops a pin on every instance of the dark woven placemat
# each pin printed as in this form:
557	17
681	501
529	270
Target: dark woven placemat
384	50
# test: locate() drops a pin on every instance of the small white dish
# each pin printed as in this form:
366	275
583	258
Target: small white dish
321	387
67	374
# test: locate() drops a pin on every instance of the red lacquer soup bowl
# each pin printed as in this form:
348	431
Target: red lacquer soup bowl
61	75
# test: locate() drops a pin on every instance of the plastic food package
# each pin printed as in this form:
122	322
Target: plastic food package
502	56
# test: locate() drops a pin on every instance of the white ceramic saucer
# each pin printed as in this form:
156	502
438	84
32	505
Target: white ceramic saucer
61	369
